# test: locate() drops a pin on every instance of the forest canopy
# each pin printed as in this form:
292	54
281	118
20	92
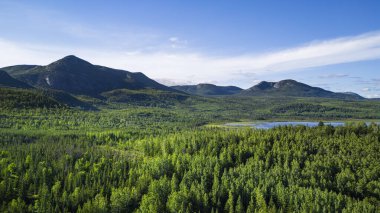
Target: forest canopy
196	170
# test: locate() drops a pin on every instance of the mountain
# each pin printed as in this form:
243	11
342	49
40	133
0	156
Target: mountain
77	76
7	81
208	89
296	89
351	94
18	69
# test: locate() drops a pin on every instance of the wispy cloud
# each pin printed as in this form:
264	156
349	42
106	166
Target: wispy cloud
334	75
204	67
314	54
201	67
177	42
373	96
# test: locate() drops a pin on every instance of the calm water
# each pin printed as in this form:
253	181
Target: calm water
272	124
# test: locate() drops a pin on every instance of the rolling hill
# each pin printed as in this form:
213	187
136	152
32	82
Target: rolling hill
295	89
208	89
12	97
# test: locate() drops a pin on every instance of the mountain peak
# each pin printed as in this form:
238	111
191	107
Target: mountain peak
71	60
69	64
77	76
71	57
293	88
288	83
263	85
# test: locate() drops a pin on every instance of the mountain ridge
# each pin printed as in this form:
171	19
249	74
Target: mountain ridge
7	81
77	76
290	87
205	89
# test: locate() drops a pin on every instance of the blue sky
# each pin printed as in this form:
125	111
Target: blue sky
327	43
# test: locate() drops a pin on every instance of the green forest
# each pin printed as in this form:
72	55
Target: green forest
165	158
173	106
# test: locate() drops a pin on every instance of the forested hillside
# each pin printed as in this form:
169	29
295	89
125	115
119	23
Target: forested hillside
190	106
165	159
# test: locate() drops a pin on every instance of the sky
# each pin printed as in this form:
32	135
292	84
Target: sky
333	44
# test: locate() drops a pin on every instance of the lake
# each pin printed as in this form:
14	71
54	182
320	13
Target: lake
272	124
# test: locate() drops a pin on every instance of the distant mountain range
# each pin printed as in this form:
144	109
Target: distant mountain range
270	89
208	89
71	76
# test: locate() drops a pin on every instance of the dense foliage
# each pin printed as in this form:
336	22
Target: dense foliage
26	99
287	169
157	155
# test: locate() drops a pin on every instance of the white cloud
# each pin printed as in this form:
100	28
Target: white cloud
373	96
190	66
201	67
13	53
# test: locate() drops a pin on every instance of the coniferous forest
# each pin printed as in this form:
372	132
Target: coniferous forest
170	106
130	158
